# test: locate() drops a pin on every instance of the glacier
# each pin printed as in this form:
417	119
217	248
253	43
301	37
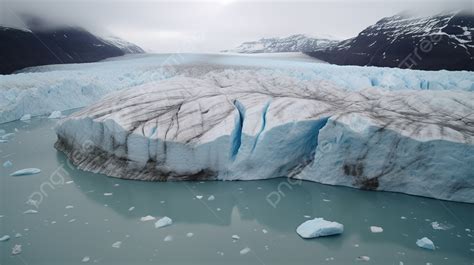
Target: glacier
44	89
245	124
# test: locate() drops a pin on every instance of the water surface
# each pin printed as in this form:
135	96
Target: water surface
102	214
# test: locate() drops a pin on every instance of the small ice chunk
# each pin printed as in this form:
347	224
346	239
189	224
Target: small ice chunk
190	234
235	237
264	231
55	115
2	141
7	163
16	249
168	238
117	244
30	211
376	229
25	117
363	258
69	182
441	226
425	243
26	171
69	207
17	235
326	200
131	208
4	238
86	259
165	221
319	227
245	251
72	220
147	218
199	196
108	194
403	218
7	136
211	198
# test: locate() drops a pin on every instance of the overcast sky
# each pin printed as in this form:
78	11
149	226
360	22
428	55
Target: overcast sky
209	26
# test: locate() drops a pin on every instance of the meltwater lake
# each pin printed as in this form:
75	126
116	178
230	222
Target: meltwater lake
91	218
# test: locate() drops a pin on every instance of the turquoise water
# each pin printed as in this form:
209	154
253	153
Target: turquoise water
102	215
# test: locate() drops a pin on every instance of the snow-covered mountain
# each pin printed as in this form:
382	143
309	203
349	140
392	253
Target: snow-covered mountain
293	43
36	44
125	46
443	41
207	120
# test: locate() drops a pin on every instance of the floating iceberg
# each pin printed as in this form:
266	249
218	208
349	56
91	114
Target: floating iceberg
7	164
318	227
376	229
244	125
4	238
16	249
162	222
245	251
425	243
26	171
147	218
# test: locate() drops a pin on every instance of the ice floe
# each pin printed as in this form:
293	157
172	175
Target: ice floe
376	229
147	218
26	171
425	243
318	227
162	222
245	251
117	244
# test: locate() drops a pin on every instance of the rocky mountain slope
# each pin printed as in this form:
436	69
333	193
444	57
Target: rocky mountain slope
443	41
38	45
293	43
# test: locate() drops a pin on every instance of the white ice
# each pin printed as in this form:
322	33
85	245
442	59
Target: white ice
7	164
147	218
26	171
425	243
117	244
55	115
318	227
245	251
376	229
162	222
16	249
25	117
4	238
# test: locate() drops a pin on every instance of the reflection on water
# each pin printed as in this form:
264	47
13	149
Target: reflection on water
65	235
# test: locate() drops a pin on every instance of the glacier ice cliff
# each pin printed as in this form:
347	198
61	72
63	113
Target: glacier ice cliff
244	125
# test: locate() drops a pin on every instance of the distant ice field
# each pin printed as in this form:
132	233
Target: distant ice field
44	89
